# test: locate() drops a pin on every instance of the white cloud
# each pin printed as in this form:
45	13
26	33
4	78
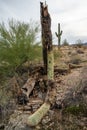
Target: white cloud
70	13
72	16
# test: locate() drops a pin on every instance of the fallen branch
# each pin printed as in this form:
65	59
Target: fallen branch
61	70
73	66
28	87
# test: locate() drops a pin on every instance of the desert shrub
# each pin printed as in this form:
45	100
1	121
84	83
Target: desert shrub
17	45
79	43
77	110
7	103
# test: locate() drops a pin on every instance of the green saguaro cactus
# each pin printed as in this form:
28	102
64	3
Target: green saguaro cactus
59	35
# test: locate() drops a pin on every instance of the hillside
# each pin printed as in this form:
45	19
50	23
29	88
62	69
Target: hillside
69	112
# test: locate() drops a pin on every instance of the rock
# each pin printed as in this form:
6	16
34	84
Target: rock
38	127
46	120
18	122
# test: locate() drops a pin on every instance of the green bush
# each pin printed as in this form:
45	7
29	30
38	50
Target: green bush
17	45
77	110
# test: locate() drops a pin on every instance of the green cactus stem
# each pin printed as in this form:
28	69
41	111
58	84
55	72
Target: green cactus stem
50	72
36	117
59	35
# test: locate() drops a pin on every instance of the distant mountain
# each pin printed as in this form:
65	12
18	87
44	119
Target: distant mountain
85	43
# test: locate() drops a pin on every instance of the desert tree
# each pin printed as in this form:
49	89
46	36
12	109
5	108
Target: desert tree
79	42
65	42
18	44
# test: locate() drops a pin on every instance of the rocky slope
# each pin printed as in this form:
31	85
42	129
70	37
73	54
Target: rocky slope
69	112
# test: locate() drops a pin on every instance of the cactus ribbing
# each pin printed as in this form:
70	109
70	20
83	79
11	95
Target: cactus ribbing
59	35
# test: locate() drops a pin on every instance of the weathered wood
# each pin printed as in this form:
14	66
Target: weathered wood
73	66
61	70
31	105
35	118
46	33
24	108
51	94
28	87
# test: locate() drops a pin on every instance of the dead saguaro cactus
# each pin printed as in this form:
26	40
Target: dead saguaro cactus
59	35
46	33
36	117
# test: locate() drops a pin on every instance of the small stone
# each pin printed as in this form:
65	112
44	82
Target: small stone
45	120
38	128
84	128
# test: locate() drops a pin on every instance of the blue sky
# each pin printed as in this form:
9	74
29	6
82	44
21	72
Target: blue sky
71	14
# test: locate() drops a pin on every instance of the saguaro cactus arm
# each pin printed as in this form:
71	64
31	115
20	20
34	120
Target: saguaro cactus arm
35	118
